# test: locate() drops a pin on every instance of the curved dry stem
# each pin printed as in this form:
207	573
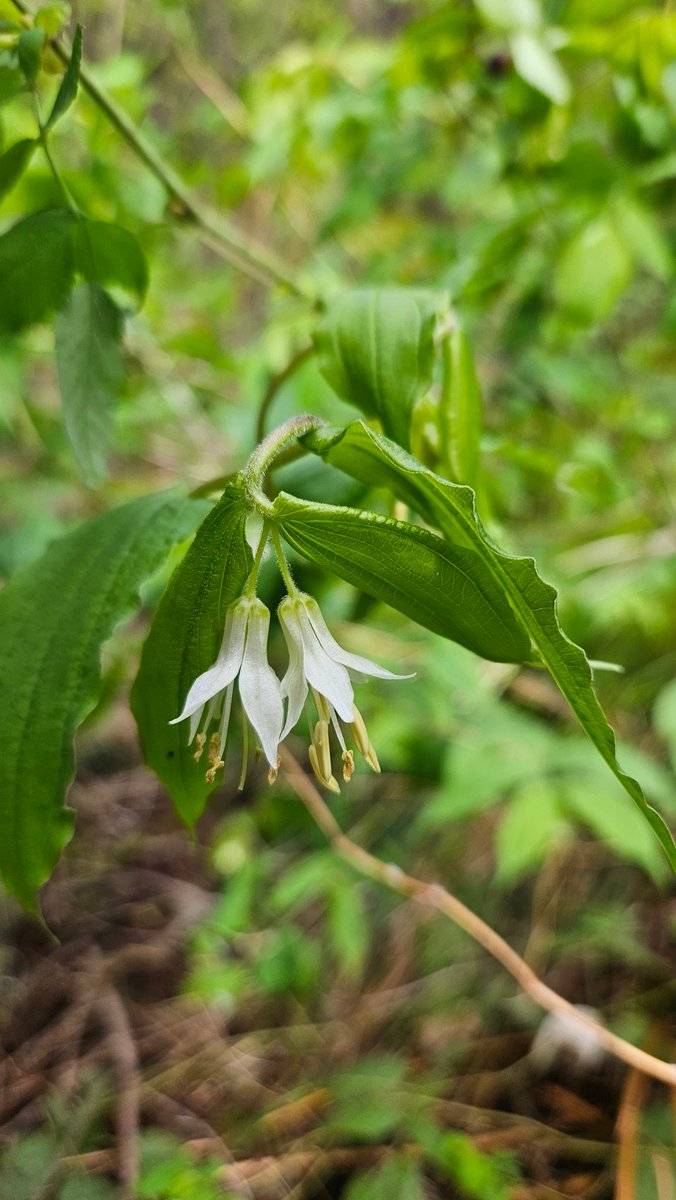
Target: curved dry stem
434	896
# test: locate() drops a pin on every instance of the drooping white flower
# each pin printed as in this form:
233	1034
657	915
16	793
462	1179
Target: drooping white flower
243	653
318	664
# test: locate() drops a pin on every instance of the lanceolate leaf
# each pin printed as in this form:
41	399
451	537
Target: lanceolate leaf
36	267
374	459
446	588
376	348
183	642
14	162
68	89
88	334
54	617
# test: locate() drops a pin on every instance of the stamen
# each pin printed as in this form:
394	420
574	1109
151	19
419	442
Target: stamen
361	737
348	765
200	740
359	732
225	718
329	782
323	747
211	773
322	706
214	752
245	753
372	760
336	725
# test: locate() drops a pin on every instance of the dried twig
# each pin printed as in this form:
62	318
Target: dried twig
434	896
124	1058
628	1122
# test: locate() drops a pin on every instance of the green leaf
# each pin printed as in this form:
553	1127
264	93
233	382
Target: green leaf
52	17
69	84
14	162
36	267
374	459
530	827
376	348
593	271
111	256
664	718
536	64
88	335
444	587
398	1177
54	617
602	810
347	926
30	47
460	408
183	642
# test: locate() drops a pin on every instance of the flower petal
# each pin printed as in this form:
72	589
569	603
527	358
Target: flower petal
259	688
294	684
355	662
329	678
224	670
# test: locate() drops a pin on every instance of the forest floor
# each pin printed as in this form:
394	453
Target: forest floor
102	1042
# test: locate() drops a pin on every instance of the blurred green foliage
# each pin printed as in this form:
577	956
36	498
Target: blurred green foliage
520	157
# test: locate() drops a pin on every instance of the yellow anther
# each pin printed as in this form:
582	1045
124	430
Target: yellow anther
361	737
272	775
323	747
213	754
211	773
348	765
199	741
372	760
328	781
360	733
322	706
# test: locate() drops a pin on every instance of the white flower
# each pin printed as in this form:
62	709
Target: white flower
319	664
243	652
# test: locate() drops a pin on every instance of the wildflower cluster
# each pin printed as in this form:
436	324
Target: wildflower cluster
318	668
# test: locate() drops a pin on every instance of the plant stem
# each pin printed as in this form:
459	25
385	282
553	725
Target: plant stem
44	142
265	454
258	558
283	564
434	896
248	256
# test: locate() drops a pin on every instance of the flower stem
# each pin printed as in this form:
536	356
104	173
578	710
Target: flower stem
268	450
283	564
250	589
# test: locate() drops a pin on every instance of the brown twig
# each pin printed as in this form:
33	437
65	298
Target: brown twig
434	896
628	1122
124	1058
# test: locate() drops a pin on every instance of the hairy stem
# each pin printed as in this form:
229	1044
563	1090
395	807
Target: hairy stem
268	450
434	896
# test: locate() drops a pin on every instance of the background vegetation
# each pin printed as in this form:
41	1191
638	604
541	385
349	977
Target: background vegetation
289	1028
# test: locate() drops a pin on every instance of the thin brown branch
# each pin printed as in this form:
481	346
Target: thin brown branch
434	896
628	1123
124	1059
